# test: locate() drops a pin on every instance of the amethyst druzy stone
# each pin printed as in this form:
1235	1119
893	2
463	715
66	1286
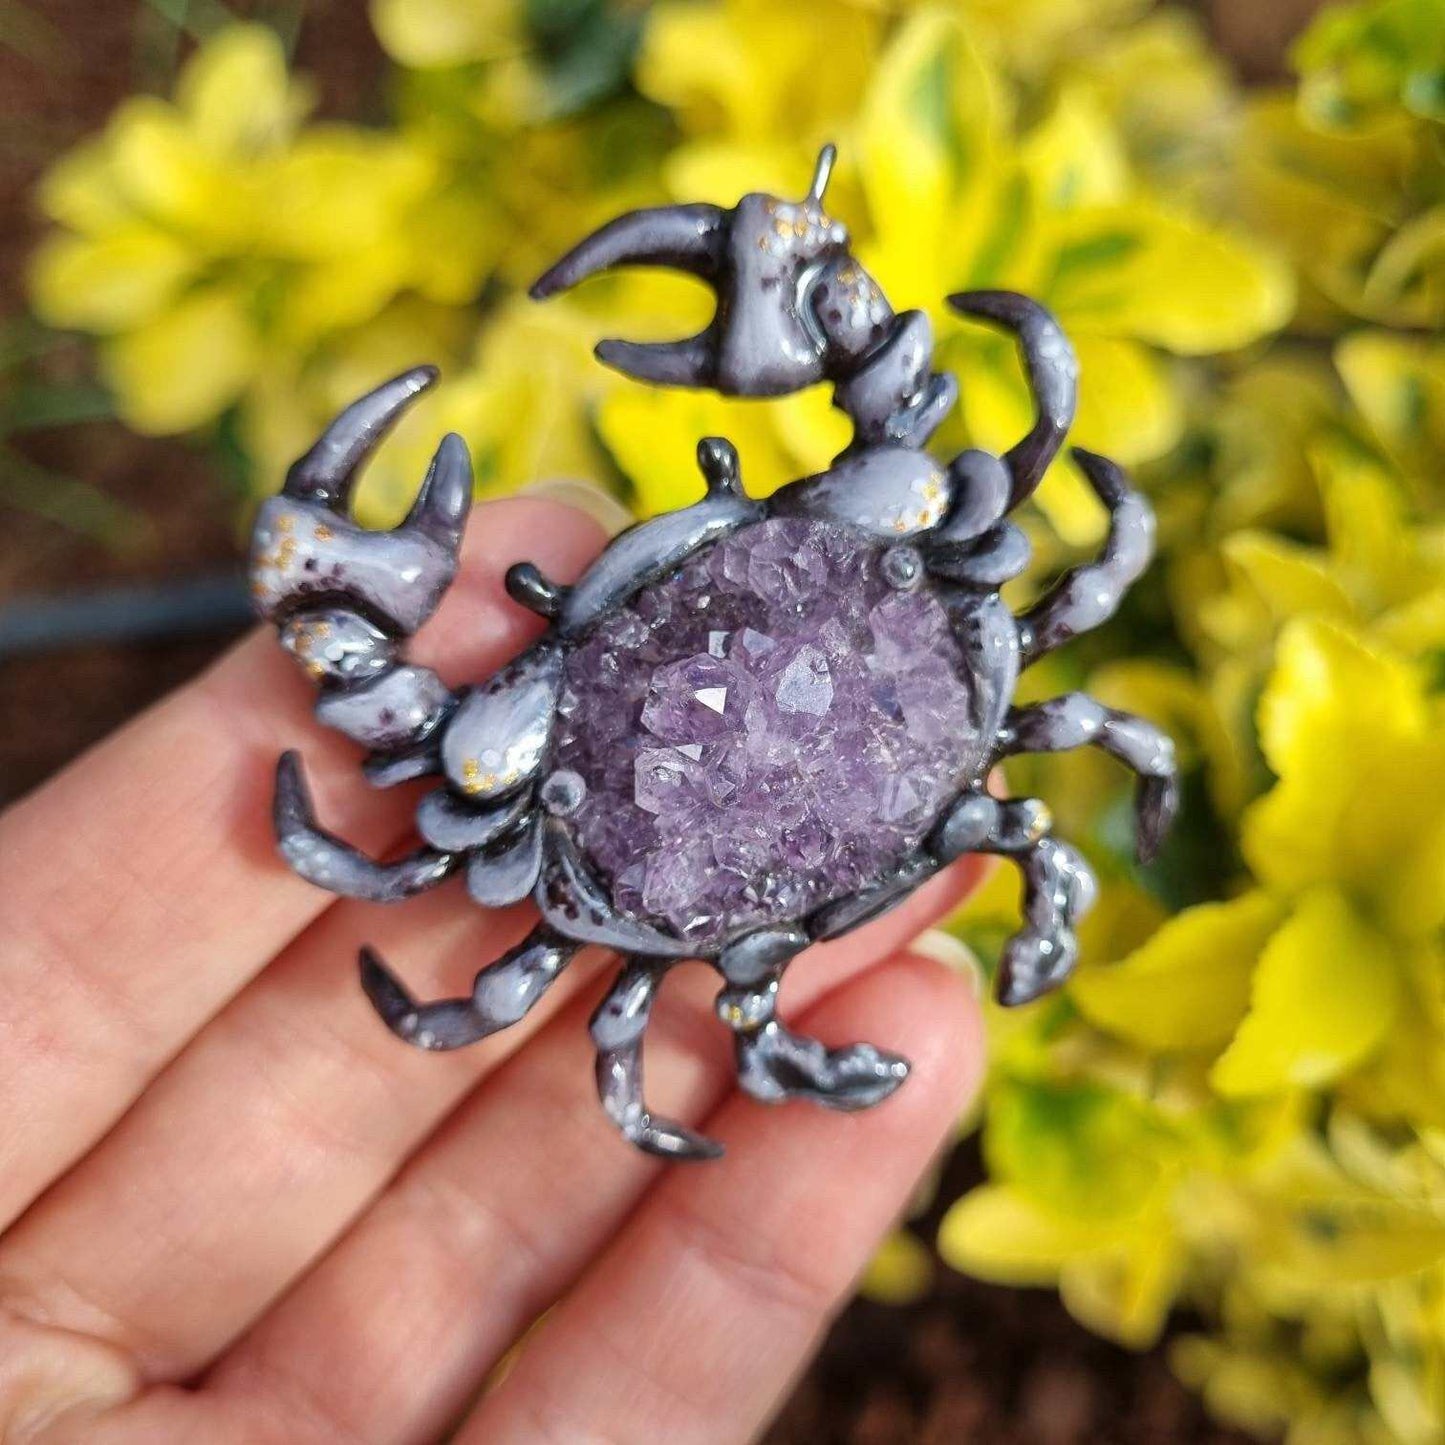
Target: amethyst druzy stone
775	725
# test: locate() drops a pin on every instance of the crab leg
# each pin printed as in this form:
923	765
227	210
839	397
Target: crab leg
1086	596
1053	372
323	859
501	995
1059	887
1077	720
687	238
617	1029
775	1064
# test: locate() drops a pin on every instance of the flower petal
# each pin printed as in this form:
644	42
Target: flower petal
1188	987
425	33
184	367
237	96
110	281
998	1234
1324	997
1158	275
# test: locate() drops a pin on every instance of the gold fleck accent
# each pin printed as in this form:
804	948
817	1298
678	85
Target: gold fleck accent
285	522
323	533
316	671
474	780
1043	821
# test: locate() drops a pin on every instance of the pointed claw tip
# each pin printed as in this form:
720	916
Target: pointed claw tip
291	804
687	362
669	1140
327	472
382	987
973	303
446	494
418	378
1156	808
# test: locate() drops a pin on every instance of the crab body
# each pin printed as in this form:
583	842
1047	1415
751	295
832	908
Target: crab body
751	724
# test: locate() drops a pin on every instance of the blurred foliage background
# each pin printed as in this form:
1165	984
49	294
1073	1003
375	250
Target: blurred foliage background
1235	1115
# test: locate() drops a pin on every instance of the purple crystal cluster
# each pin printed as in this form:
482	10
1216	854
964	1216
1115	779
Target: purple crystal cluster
771	727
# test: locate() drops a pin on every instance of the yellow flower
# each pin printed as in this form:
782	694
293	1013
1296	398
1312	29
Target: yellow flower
1359	209
1365	63
1301	980
900	1272
744	80
1398	385
424	33
954	205
203	236
1359	749
944	193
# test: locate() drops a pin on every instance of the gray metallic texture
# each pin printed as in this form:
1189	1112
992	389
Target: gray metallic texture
794	308
501	995
652	549
1059	889
848	913
1076	720
507	873
617	1029
526	584
323	859
887	491
775	1065
453	825
495	740
389	711
1053	372
1086	597
344	597
998	556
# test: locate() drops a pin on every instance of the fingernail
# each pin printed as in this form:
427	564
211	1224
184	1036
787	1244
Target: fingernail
598	504
953	954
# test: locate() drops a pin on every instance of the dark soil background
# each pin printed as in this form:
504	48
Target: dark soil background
971	1363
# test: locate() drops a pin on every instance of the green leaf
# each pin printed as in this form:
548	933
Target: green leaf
1083	1149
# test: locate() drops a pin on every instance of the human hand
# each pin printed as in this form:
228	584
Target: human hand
236	1209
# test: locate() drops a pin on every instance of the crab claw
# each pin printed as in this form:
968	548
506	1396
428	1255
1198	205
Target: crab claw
1053	373
327	472
689	362
323	859
307	552
687	238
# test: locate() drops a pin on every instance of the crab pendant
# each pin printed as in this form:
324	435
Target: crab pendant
752	724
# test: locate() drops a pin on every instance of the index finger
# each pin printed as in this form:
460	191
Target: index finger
694	1321
142	887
